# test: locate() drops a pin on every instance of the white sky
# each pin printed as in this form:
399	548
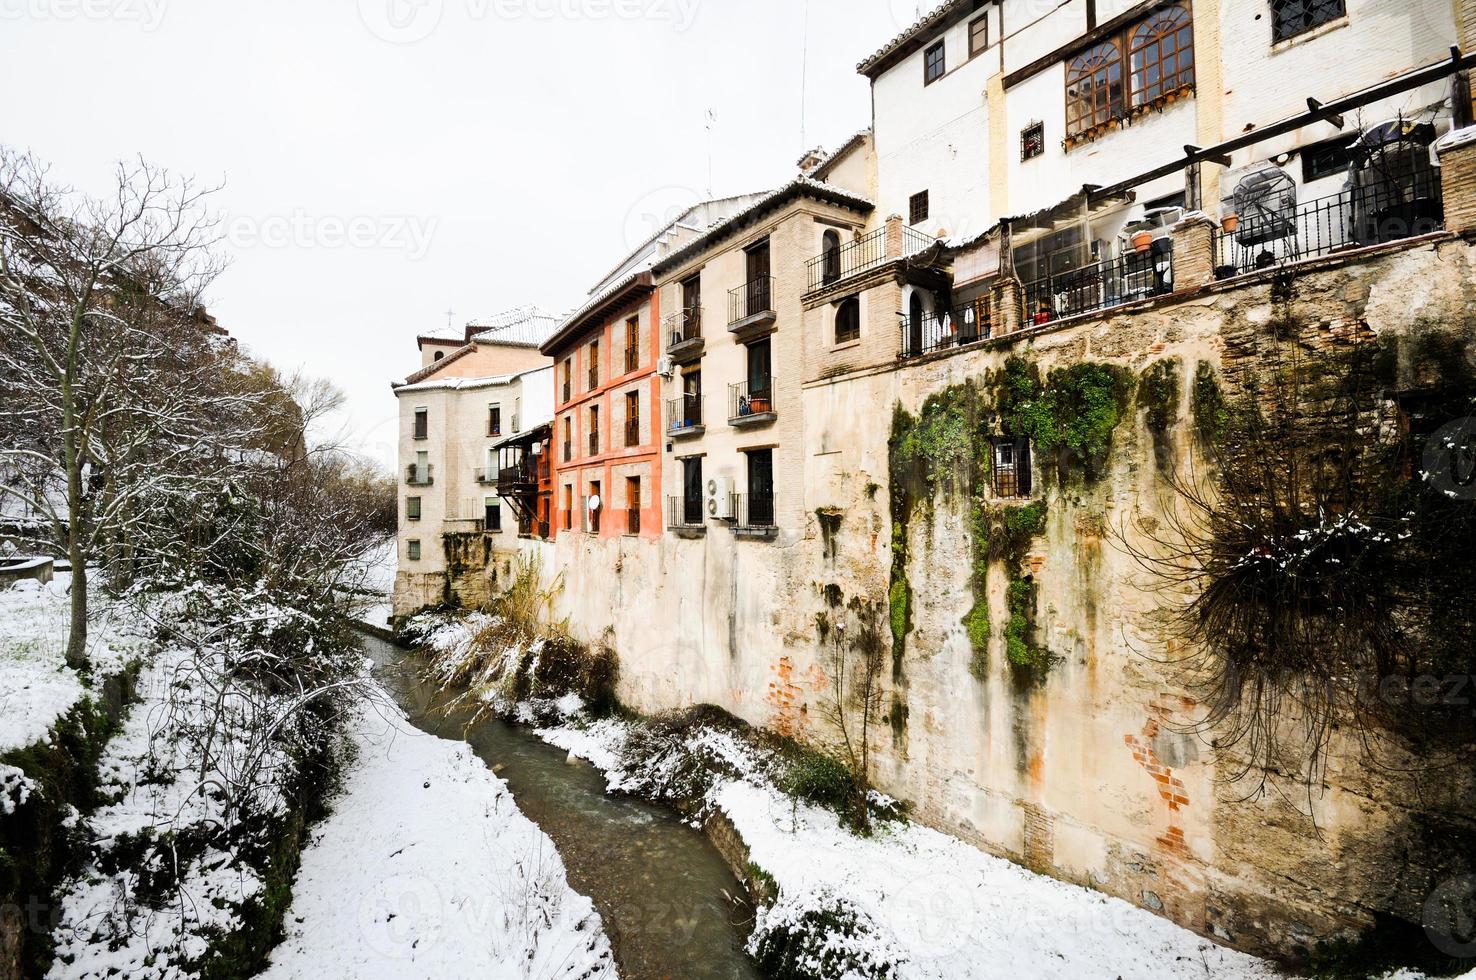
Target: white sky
495	153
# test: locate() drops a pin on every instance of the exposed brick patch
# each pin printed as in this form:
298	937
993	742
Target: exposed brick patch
1171	788
786	698
1040	838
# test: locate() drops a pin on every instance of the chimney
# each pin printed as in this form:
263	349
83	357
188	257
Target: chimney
812	160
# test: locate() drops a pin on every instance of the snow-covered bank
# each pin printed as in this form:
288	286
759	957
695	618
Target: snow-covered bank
36	685
916	904
426	868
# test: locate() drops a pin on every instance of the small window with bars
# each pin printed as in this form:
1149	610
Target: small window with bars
412	508
1292	18
1032	141
917	208
412	550
1010	471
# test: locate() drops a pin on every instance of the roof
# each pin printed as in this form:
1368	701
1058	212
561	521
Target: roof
914	37
538	433
799	187
823	168
680	221
637	283
522	326
414	382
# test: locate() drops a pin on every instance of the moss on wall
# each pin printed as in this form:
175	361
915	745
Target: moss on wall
1207	405
1159	398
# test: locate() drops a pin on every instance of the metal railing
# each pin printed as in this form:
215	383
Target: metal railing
594	377
945	329
750	299
1355	218
683	325
594	443
683	412
750	398
633	432
568	390
420	476
568	451
632	520
753	510
684	512
867	252
1101	285
512	476
632	359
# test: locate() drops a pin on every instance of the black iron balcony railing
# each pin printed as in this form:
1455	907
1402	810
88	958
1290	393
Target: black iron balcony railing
514	476
684	511
750	400
568	390
594	443
594	377
543	529
1101	285
753	509
568	451
420	475
632	432
632	520
865	253
945	329
1355	218
751	299
632	359
683	412
684	325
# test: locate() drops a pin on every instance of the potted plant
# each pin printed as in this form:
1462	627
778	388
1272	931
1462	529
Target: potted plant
1231	223
1142	240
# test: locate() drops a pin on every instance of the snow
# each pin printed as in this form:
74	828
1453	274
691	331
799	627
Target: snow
936	908
36	685
427	868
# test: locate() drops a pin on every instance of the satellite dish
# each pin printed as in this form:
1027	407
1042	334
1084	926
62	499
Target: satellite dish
594	503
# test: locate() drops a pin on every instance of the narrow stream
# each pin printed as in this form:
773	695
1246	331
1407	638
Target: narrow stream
666	896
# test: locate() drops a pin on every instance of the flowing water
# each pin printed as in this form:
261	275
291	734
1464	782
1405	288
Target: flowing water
671	906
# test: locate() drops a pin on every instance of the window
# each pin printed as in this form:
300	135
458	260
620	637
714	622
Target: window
831	249
760	508
757	294
1032	141
1010	474
632	418
1052	255
568	378
933	67
594	430
412	550
568	507
493	516
438	355
412	508
633	505
595	505
594	365
848	321
632	344
1326	159
494	420
422	423
1161	51
691	509
568	438
917	208
978	35
1094	88
1292	17
691	322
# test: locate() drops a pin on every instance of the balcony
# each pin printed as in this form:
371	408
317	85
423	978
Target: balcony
751	309
632	432
1101	285
515	480
488	477
751	403
684	417
594	378
632	520
568	391
684	516
594	443
863	255
753	515
946	329
632	359
683	330
417	475
1357	218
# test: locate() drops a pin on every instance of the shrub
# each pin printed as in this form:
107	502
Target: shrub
833	939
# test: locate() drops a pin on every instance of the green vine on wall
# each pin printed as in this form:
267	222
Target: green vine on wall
1207	405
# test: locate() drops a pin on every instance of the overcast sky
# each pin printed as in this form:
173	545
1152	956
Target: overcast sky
385	161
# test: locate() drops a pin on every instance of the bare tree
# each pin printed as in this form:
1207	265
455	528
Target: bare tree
112	376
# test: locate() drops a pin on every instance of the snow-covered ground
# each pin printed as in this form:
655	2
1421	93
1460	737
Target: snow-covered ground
36	685
377	571
426	868
936	908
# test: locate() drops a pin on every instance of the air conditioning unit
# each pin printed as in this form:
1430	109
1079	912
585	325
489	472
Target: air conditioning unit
666	367
720	498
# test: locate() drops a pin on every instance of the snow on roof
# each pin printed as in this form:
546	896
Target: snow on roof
929	22
799	186
685	219
521	326
641	278
461	384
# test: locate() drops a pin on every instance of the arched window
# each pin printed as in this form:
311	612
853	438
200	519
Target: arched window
915	321
831	251
438	355
848	321
1094	88
1161	51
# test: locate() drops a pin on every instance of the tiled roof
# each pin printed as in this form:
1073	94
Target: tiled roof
936	18
795	188
522	326
435	366
636	280
822	170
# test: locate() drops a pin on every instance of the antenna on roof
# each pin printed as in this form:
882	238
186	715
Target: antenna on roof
449	315
804	76
711	118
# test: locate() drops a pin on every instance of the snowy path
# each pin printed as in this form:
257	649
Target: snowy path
426	868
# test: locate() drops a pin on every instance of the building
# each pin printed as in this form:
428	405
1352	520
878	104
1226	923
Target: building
456	413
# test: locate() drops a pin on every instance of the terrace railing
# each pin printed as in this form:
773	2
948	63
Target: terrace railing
1101	285
750	398
753	510
683	512
863	254
946	329
750	299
